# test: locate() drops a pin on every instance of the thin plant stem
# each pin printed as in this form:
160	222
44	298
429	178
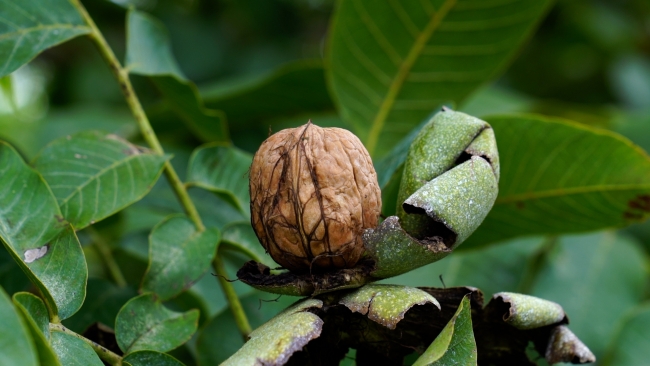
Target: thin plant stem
107	254
122	76
235	306
104	353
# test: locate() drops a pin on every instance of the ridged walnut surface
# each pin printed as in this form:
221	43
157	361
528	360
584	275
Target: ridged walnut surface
313	192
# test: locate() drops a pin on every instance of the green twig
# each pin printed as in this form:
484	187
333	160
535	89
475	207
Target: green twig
104	353
141	119
235	306
150	137
107	255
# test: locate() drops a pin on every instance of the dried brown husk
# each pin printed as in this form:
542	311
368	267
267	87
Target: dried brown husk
313	193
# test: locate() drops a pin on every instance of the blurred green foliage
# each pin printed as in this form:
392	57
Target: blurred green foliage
589	61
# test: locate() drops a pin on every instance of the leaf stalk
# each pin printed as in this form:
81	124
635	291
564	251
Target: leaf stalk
104	353
235	306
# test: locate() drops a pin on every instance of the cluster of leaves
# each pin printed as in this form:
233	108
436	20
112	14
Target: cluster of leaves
87	224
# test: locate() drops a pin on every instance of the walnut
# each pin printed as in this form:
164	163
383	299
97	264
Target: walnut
313	193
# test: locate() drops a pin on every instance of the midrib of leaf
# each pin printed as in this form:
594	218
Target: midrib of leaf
40	27
404	69
154	328
96	177
569	191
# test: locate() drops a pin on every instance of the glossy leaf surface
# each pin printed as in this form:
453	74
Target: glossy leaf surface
94	175
31	26
178	256
37	236
391	63
144	323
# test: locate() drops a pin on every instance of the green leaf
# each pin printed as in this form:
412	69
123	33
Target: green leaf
224	171
103	301
241	237
584	268
144	323
33	307
147	358
38	238
35	315
178	256
455	344
559	177
629	344
72	351
220	337
94	175
16	347
29	27
390	63
386	304
148	53
293	89
276	340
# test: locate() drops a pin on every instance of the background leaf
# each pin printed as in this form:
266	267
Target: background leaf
37	236
224	171
103	301
94	175
178	256
596	276
144	323
16	347
575	178
72	351
255	104
241	237
389	64
628	344
29	27
148	53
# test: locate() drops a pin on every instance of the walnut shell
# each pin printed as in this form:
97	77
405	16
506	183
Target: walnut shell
313	192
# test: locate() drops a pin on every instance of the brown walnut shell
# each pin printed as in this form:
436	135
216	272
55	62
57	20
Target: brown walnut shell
313	192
